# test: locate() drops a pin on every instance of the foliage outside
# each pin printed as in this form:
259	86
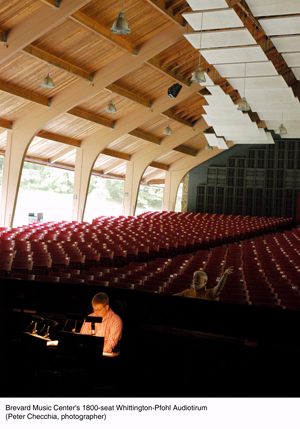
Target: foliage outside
105	196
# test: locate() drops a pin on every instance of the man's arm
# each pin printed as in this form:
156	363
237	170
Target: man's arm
114	335
185	293
222	281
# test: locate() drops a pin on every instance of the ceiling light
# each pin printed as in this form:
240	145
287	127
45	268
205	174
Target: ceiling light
243	104
167	130
198	75
47	82
281	130
111	108
120	26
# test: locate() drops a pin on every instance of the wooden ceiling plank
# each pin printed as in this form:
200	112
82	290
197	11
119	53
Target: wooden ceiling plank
61	154
54	3
129	95
3	37
100	30
23	93
156	64
116	154
151	176
156	182
168	12
186	150
36	25
113	166
57	62
91	117
108	176
58	138
159	165
4	123
176	118
145	136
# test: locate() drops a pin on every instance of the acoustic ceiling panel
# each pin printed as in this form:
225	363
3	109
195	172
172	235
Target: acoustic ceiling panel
231	120
251	83
265	96
213	20
274	105
265	68
215	141
219	99
218	110
204	4
234	55
296	72
281	26
230	132
219	39
274	7
286	43
292	127
276	115
292	59
266	139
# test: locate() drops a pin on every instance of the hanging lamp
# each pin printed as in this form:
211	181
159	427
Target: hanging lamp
47	82
208	147
111	108
198	75
243	104
167	131
121	26
281	129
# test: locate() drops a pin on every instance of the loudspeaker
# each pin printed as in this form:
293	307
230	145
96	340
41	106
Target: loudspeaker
174	90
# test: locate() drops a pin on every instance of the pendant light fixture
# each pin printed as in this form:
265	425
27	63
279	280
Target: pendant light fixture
120	26
198	75
281	130
243	104
111	108
47	82
167	130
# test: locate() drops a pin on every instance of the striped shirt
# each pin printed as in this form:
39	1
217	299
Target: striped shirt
110	328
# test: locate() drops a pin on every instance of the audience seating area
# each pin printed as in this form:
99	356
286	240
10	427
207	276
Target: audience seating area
158	252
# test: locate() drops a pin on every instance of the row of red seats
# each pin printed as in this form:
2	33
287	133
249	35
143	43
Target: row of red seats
53	244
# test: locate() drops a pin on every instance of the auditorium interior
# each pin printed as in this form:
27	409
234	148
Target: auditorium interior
153	93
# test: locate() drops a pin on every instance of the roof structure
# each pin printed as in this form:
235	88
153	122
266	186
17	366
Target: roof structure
248	49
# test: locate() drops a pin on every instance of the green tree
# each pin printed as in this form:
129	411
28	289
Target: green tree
37	177
150	197
115	190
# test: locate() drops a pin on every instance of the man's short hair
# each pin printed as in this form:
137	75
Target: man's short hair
100	298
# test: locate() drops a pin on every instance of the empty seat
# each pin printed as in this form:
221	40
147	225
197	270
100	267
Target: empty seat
44	278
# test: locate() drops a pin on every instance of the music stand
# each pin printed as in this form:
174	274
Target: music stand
93	320
83	348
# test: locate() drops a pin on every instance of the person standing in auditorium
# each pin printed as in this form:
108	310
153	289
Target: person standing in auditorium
198	289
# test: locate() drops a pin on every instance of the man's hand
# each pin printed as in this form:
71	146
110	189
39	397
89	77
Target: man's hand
229	270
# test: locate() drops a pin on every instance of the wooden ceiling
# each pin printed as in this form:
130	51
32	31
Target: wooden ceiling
80	44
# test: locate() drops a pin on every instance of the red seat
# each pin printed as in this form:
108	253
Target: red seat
43	278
